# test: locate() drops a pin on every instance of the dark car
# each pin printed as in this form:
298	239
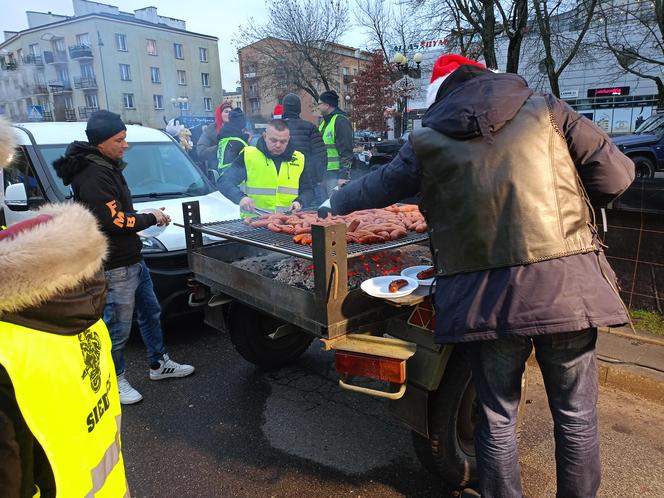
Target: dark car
384	151
645	146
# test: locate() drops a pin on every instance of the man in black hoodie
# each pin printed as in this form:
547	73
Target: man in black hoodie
506	179
305	137
94	171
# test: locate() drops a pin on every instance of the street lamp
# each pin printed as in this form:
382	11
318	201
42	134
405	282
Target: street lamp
180	102
405	85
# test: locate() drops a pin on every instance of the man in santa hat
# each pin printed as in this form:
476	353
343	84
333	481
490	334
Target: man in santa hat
517	258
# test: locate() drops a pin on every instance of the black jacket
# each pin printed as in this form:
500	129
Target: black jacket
206	147
98	183
305	138
343	140
559	295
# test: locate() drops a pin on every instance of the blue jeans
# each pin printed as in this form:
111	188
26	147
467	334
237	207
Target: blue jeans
130	287
569	368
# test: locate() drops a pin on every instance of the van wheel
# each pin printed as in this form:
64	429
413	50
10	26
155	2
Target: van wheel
450	450
644	166
250	331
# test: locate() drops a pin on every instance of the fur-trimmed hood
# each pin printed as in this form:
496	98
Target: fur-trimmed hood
50	258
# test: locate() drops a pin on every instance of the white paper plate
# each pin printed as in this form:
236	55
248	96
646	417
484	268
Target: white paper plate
154	230
412	271
378	286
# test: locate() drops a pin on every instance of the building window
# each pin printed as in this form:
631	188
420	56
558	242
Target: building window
34	49
155	75
344	71
58	45
63	74
91	100
182	77
202	52
128	99
205	79
121	42
69	102
179	53
83	40
125	74
158	102
255	106
87	70
151	47
207	103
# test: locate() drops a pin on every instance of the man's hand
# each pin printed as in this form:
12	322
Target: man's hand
295	206
162	217
247	205
341	182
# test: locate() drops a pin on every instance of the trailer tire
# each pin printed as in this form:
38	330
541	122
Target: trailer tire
249	330
451	453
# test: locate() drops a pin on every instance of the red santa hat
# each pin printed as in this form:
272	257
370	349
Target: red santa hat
278	111
444	66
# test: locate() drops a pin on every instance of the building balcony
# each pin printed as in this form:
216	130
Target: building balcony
55	57
70	115
33	60
39	89
85	112
80	52
9	66
254	94
85	83
348	78
58	87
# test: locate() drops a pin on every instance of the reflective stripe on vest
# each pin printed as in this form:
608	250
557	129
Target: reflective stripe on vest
269	190
327	130
72	408
221	151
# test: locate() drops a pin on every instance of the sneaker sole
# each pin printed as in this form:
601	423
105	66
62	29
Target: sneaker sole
133	402
171	376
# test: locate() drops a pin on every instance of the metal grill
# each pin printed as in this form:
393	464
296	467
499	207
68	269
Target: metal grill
281	242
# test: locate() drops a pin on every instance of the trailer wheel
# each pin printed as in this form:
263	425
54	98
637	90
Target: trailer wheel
450	450
250	329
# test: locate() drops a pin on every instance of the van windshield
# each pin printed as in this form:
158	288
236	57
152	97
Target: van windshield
154	170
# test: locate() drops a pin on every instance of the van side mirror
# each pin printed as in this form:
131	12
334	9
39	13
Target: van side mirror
16	197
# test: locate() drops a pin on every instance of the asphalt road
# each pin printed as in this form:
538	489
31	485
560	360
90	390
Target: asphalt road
233	430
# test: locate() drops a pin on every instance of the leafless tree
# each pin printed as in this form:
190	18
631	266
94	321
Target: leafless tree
294	49
562	27
634	33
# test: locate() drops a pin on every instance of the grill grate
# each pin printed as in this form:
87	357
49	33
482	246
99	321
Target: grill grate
280	242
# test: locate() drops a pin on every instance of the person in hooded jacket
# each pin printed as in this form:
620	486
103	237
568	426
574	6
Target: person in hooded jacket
94	171
305	137
232	139
506	178
206	147
59	405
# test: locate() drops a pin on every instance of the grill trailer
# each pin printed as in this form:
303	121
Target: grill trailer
274	297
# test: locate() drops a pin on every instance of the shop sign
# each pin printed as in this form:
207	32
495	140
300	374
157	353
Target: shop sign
608	92
569	94
423	45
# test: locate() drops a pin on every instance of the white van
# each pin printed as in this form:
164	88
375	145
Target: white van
159	174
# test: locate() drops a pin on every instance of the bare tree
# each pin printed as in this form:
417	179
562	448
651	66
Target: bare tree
295	48
514	21
562	29
634	33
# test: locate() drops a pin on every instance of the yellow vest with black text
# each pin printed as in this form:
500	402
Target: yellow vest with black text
221	151
327	130
269	190
67	392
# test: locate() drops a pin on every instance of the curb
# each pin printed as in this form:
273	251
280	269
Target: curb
628	334
630	379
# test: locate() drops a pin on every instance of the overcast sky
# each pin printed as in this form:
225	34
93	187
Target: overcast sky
218	18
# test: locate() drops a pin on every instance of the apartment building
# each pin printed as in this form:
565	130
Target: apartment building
260	93
141	65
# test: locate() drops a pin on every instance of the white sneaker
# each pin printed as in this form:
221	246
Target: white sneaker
128	395
169	369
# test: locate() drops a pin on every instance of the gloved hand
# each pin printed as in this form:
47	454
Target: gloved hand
324	209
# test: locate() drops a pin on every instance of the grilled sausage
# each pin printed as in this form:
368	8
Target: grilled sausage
426	274
395	285
353	226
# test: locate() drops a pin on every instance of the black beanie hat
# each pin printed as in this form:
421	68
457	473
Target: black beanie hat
236	117
102	125
329	97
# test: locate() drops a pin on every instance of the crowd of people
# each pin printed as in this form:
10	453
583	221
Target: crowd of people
507	174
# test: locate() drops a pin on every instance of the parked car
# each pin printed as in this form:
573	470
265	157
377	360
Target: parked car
645	146
384	151
159	174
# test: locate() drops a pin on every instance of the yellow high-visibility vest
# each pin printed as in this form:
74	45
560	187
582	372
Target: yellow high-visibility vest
327	131
221	151
67	392
269	190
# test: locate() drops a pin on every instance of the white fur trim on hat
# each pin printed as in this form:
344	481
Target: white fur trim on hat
433	88
7	143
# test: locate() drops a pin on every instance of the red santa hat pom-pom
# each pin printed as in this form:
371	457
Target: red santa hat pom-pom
444	66
278	111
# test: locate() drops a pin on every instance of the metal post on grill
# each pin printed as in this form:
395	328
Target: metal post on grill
330	270
191	214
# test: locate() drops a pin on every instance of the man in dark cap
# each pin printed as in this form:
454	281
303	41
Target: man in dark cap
337	134
94	171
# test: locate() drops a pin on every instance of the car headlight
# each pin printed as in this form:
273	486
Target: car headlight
152	245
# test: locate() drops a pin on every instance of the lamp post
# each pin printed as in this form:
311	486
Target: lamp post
405	85
180	102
